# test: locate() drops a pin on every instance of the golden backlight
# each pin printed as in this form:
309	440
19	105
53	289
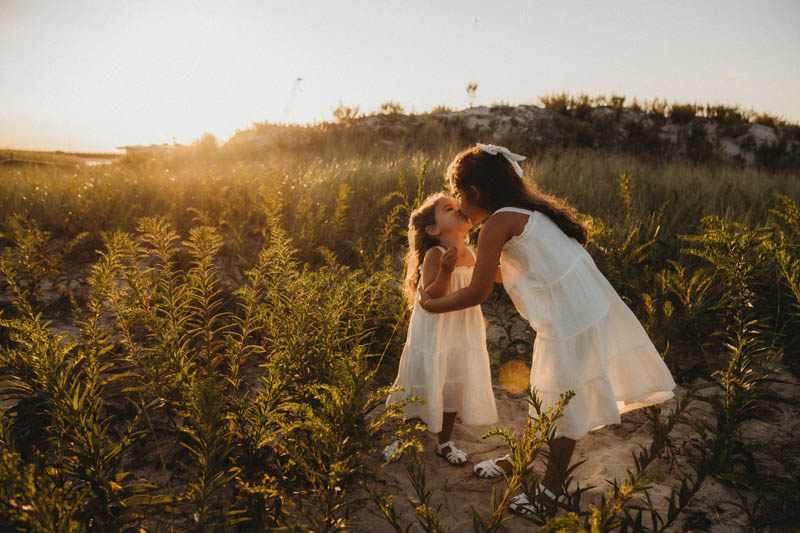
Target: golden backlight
514	376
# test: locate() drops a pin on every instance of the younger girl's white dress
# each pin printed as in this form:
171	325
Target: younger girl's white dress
587	339
445	362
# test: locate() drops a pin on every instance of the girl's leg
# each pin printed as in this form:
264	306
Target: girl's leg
446	447
448	421
560	456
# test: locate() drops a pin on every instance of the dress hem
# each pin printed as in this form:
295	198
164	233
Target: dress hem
601	376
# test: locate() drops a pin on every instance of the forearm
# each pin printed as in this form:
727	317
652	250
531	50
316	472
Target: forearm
460	299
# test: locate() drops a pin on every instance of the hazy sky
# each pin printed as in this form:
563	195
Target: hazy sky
91	75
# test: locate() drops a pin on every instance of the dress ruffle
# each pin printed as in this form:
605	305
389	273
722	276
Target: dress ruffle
445	362
467	395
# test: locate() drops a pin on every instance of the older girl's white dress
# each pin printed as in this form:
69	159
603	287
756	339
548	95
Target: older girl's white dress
445	362
587	339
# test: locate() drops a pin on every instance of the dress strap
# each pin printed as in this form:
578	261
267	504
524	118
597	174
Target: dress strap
516	210
441	248
472	252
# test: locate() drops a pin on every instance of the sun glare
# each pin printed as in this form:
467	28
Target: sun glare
514	376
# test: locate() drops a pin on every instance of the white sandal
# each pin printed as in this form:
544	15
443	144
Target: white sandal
389	452
521	505
488	469
455	456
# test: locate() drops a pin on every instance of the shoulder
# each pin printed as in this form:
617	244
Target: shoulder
503	225
508	217
432	256
433	253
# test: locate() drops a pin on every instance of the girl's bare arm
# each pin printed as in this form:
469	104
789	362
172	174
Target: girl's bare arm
436	274
493	236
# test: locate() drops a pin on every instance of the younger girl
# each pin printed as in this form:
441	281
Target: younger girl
587	339
444	360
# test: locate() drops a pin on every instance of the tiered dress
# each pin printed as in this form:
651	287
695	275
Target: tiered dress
587	339
445	362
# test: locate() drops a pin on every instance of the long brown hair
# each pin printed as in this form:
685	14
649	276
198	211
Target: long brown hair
500	186
419	242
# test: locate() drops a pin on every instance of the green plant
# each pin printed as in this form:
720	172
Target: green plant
784	246
557	102
540	432
345	114
33	501
426	516
682	113
472	89
698	147
391	108
69	386
624	251
209	472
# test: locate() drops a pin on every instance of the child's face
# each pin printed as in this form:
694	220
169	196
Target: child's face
450	218
475	213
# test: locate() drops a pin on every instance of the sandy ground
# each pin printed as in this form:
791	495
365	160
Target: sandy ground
608	455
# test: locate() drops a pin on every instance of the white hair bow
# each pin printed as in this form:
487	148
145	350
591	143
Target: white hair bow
508	154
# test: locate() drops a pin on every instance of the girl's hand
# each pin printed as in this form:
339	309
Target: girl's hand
423	297
449	259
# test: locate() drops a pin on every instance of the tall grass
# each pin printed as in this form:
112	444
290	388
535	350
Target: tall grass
254	401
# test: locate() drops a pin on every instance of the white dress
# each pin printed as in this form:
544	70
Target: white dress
587	339
445	362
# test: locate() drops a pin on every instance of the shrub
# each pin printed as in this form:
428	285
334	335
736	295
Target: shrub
557	102
345	114
699	148
682	113
391	108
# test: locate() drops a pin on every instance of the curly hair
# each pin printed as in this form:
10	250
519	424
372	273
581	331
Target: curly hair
419	242
500	186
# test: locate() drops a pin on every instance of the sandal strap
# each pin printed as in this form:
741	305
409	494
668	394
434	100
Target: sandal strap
496	460
453	454
490	468
547	492
521	504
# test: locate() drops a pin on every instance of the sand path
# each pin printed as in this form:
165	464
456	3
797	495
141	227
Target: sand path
607	453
